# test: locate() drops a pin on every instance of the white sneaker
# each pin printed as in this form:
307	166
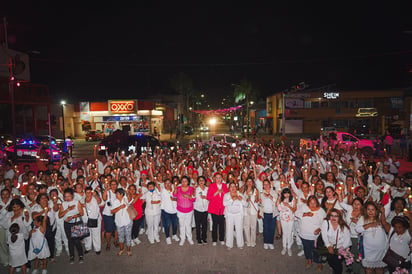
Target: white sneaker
168	241
175	238
58	253
214	243
265	246
151	242
182	242
283	252
44	271
253	245
271	246
190	242
301	253
290	252
141	232
132	244
222	242
157	240
35	271
137	241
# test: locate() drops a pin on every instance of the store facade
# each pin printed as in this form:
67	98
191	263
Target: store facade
356	111
129	115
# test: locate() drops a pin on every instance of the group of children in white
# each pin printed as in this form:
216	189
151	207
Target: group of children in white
329	198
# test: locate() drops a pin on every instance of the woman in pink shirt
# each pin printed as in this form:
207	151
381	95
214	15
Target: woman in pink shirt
216	208
185	196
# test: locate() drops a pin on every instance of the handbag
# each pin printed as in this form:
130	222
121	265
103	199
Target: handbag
91	222
132	212
79	230
392	259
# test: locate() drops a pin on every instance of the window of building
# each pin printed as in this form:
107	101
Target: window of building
308	104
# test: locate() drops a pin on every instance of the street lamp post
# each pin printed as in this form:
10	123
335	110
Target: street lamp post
62	103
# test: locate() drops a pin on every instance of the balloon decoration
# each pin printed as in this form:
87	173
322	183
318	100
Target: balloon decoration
218	111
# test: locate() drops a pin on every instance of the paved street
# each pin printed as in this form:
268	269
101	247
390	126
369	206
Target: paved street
162	258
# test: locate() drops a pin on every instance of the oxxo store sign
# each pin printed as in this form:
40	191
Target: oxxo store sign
122	106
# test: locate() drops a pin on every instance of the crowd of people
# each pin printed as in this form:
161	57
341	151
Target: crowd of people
328	198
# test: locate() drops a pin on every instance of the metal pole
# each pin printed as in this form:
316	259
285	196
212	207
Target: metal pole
283	115
6	43
13	112
64	133
50	134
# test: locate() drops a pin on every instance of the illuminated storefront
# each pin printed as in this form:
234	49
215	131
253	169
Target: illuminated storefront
131	115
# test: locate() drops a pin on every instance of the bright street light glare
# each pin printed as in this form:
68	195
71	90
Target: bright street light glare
62	102
212	121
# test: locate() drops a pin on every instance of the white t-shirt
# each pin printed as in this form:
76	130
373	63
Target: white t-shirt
121	217
111	197
308	225
400	243
92	209
152	209
167	204
200	204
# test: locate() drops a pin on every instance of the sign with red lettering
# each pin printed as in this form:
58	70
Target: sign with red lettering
122	106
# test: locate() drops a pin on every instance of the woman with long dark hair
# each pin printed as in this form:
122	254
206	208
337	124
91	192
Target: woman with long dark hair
374	238
335	235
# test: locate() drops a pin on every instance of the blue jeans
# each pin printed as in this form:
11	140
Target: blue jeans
308	247
269	226
168	219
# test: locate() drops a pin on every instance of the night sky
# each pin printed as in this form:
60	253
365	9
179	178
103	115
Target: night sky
98	52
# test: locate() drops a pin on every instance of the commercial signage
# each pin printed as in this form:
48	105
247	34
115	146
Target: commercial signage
331	95
120	118
122	106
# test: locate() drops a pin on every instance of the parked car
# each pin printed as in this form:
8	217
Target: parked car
343	138
29	149
94	135
188	130
204	128
124	143
222	140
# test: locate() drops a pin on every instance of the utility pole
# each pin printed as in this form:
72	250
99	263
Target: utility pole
283	114
6	43
13	113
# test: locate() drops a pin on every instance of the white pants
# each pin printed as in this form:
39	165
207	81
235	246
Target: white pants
249	225
153	222
296	229
209	219
4	249
95	238
260	225
61	237
287	234
185	225
234	222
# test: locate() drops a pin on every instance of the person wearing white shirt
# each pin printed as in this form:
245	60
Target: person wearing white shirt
4	203
251	194
200	210
122	220
152	212
270	212
335	234
94	220
234	202
399	240
9	172
311	217
169	212
109	197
